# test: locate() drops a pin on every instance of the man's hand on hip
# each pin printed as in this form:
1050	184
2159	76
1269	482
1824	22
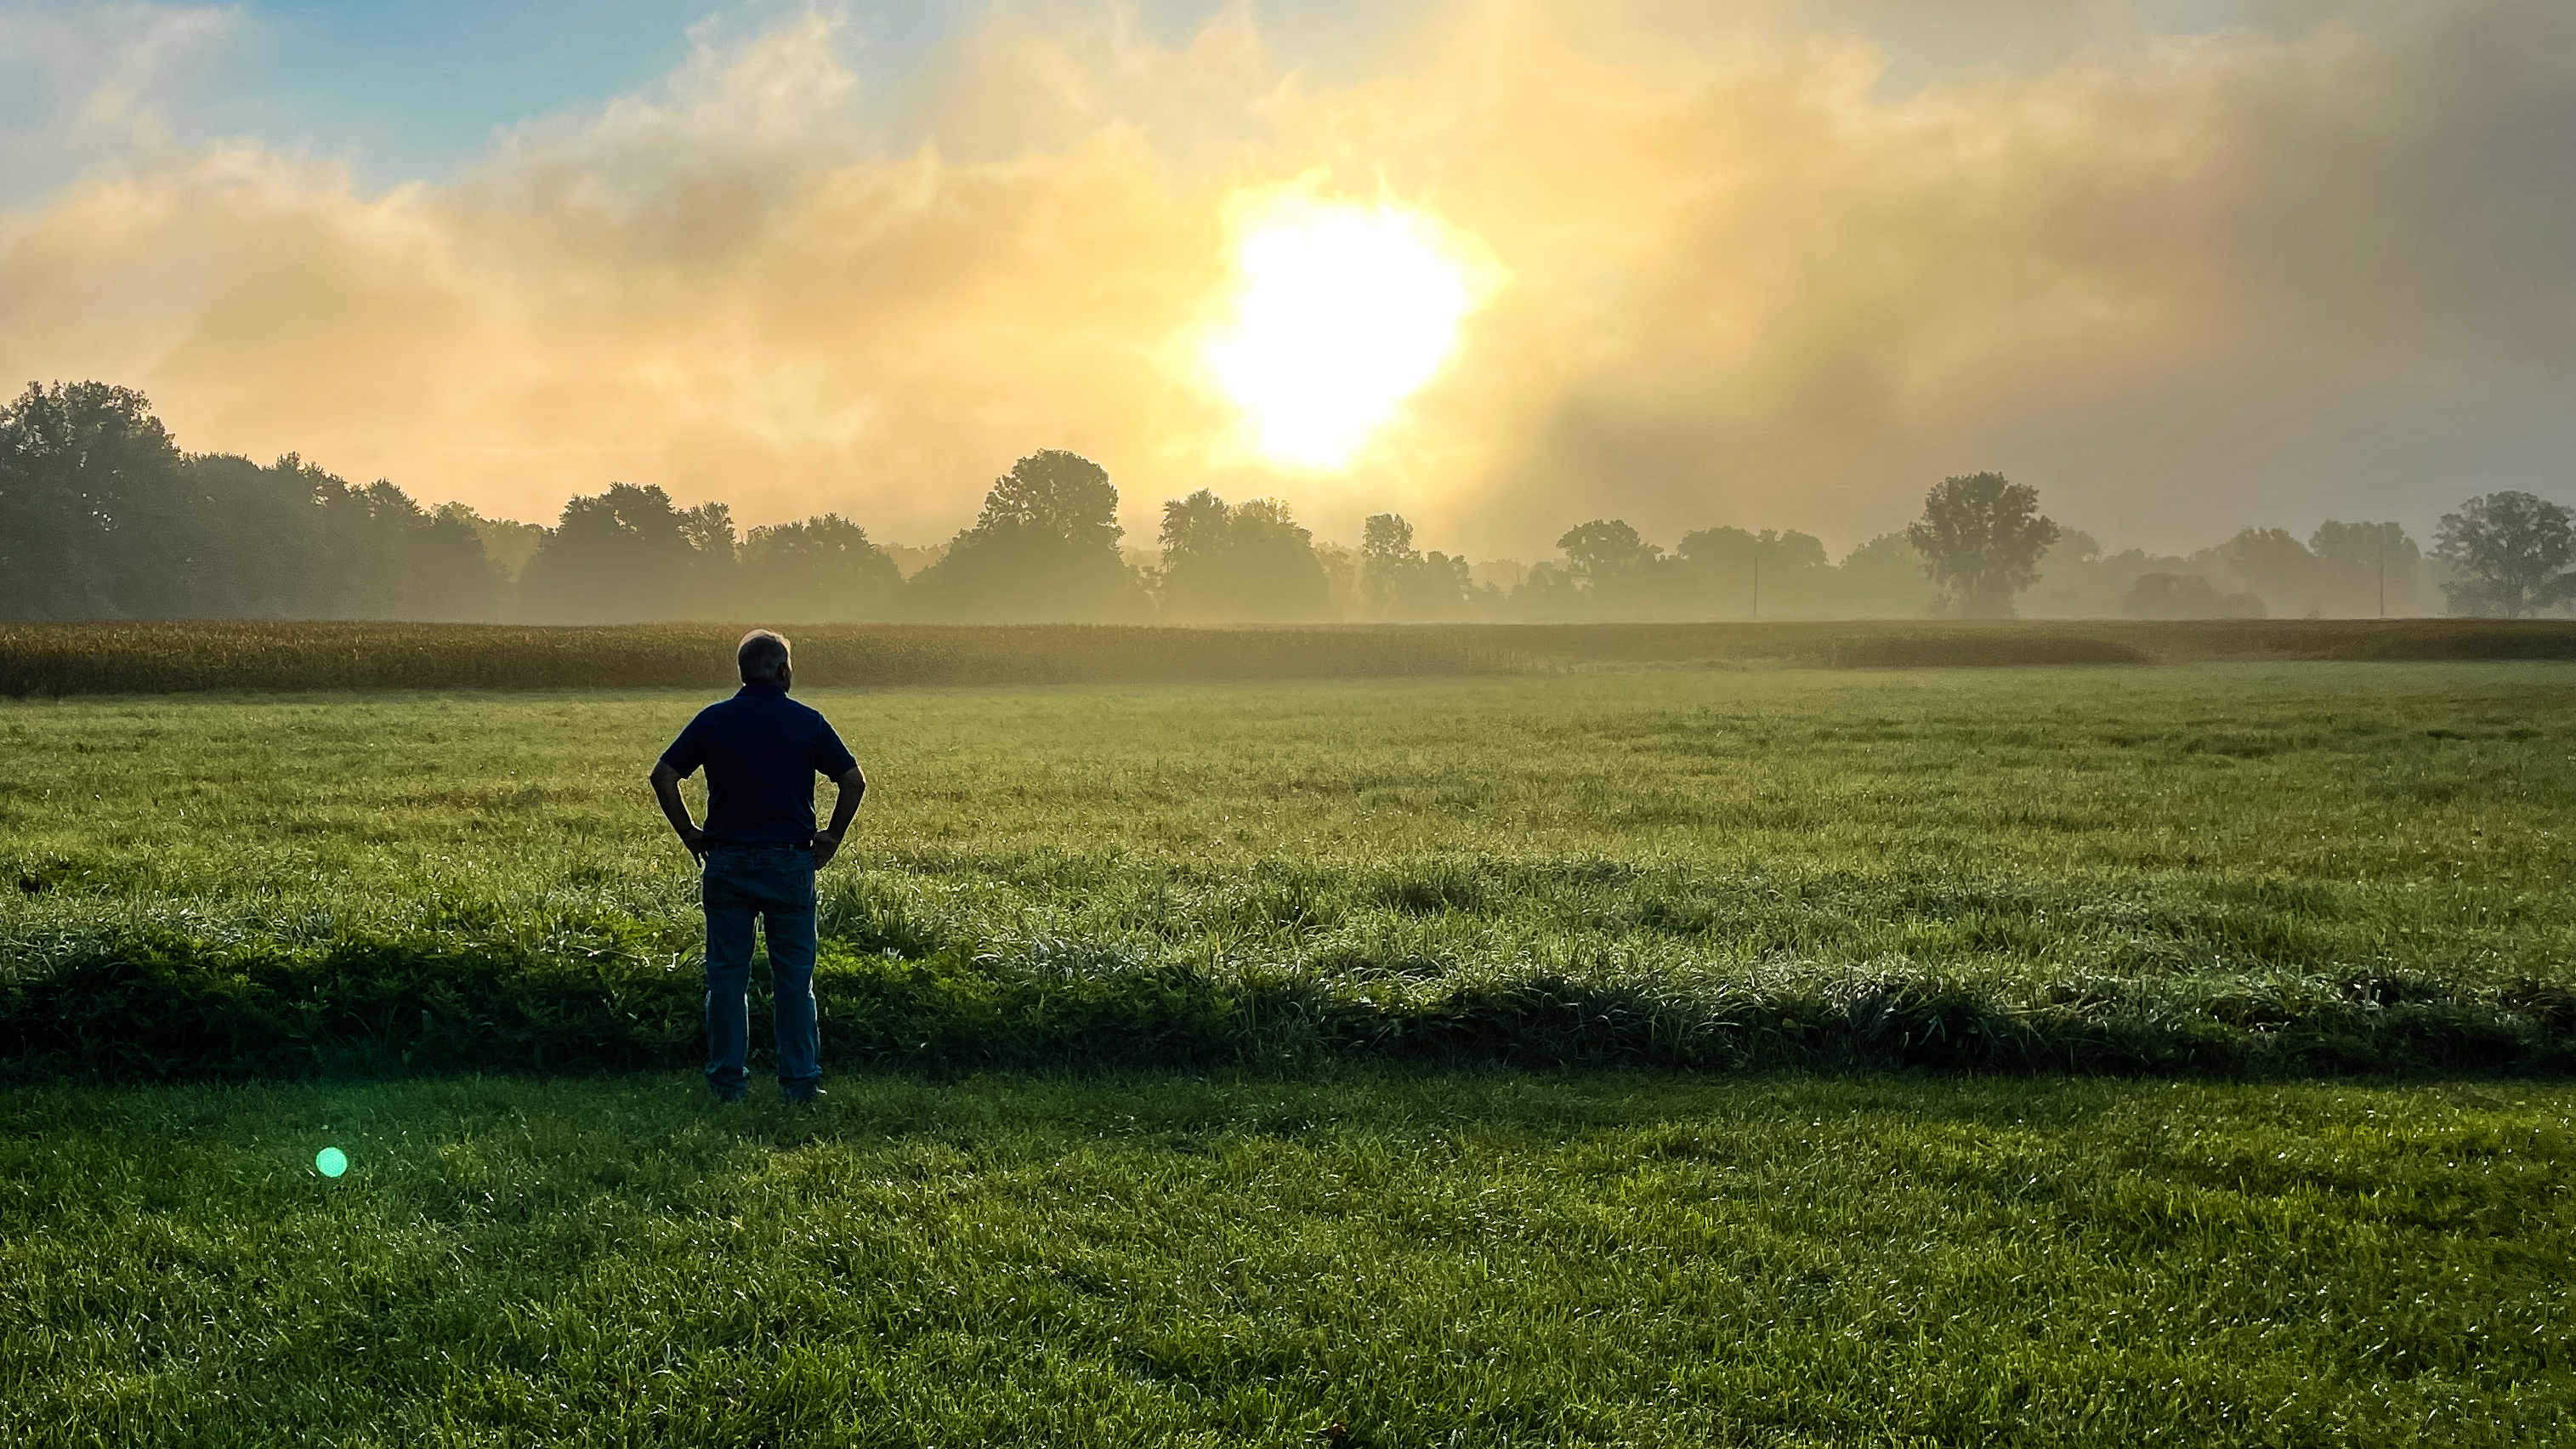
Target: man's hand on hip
826	845
696	840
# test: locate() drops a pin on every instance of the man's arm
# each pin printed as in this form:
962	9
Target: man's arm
666	788
827	841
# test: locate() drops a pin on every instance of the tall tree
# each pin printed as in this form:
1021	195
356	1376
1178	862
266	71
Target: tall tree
1616	573
1249	563
1388	561
821	571
1341	565
1602	553
1981	538
1281	579
714	551
2271	564
258	553
101	516
2186	596
508	543
620	556
1400	582
1045	547
2365	570
89	506
1194	540
1884	579
1738	574
2513	550
1546	595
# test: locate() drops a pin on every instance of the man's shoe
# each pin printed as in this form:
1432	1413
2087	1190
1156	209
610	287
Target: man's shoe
738	1094
805	1098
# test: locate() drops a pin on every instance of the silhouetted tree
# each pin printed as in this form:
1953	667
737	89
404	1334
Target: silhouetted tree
1981	538
2513	551
2365	570
2186	596
713	590
1281	579
378	555
1605	553
448	576
1388	561
2269	563
615	557
1884	579
508	543
101	516
1737	574
1617	574
256	554
88	505
821	571
1341	566
1251	562
1400	582
1546	594
1045	547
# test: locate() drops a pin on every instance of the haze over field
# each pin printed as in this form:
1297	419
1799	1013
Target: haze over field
1495	267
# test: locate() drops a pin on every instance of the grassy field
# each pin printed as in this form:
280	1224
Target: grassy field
1294	936
1422	1260
2325	866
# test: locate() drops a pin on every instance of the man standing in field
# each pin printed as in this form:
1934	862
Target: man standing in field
759	851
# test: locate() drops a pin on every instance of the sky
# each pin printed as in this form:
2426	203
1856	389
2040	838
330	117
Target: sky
1501	266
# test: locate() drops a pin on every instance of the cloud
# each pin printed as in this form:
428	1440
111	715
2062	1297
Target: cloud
2180	282
84	84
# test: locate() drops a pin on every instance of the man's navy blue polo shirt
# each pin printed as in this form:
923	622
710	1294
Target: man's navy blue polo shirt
762	751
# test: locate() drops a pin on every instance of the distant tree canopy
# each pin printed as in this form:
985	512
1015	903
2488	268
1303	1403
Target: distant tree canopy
1613	572
1250	563
2514	552
1607	556
821	571
2186	596
88	493
1735	571
622	554
1044	547
2365	569
1400	583
1885	579
2270	564
101	517
1981	538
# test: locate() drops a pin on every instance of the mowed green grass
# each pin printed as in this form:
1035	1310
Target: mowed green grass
2303	823
1425	1260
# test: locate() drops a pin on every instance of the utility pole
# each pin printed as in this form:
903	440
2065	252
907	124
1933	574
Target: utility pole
1757	581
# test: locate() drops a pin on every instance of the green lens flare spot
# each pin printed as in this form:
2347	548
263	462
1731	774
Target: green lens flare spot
330	1162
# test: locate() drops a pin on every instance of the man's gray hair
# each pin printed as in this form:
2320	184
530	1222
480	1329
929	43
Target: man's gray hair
760	655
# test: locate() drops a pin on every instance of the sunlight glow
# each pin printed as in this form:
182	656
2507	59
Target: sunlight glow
1342	310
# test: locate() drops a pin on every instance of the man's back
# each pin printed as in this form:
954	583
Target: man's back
761	751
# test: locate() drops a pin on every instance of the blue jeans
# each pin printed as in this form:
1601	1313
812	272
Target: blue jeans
775	884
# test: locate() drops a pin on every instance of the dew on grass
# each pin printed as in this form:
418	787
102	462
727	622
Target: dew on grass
330	1162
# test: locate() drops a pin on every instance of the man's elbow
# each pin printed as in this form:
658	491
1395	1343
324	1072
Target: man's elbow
663	775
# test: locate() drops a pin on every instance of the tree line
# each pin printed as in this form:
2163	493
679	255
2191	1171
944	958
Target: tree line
103	516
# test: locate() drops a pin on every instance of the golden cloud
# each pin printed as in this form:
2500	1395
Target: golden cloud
1748	283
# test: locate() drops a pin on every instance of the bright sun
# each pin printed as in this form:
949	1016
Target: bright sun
1341	311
